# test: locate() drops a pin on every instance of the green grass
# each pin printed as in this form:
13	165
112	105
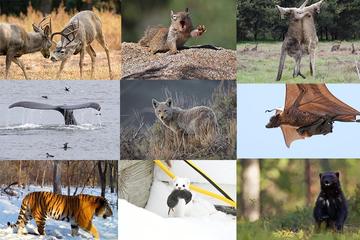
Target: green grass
297	225
331	67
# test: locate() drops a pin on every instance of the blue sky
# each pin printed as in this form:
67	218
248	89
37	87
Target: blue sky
256	141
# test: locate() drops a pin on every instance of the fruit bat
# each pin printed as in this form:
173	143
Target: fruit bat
310	109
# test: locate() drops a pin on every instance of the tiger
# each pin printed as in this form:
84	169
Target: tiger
79	210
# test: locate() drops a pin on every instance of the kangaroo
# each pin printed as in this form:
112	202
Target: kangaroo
199	121
301	38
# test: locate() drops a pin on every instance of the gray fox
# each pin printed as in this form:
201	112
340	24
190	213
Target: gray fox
199	121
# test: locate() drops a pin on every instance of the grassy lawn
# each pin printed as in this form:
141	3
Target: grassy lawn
297	225
331	67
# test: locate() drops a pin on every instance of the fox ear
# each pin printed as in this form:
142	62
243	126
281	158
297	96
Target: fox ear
155	103
168	102
337	174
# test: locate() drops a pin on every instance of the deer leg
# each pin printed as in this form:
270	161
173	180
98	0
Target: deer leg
81	62
21	65
8	64
102	42
91	52
282	62
61	68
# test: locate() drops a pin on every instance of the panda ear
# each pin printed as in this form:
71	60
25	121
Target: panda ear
337	174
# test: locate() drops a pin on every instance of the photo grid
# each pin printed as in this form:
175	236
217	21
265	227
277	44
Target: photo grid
192	119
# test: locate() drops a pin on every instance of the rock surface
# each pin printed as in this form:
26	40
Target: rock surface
188	64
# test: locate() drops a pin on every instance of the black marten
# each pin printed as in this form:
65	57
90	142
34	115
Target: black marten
330	207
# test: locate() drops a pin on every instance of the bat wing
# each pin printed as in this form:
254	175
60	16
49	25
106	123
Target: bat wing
290	134
319	100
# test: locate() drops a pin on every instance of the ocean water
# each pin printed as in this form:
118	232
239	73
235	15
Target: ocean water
28	134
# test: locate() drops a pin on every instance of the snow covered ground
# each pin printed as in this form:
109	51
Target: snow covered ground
202	221
9	210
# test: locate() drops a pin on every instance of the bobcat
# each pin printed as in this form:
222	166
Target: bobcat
199	121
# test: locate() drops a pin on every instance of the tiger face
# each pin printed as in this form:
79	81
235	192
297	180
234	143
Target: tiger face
103	210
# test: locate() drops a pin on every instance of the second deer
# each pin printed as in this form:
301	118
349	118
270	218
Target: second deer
76	37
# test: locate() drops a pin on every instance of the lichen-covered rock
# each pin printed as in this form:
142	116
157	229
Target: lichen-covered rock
188	64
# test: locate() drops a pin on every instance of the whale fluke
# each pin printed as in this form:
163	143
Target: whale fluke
65	110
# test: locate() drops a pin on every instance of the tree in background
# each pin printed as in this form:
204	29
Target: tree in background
250	189
260	20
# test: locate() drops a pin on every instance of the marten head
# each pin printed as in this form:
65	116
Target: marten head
329	181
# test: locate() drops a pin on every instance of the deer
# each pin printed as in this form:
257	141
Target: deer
76	38
301	38
15	42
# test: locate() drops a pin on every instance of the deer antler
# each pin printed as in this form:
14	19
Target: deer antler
66	35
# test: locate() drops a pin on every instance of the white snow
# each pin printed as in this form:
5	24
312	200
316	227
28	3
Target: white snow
201	221
9	210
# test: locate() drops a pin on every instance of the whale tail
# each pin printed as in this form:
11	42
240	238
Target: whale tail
65	110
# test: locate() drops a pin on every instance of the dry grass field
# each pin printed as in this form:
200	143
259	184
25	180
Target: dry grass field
261	66
40	68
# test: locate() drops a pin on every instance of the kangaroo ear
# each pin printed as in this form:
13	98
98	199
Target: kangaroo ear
36	28
283	11
171	13
168	102
337	174
155	103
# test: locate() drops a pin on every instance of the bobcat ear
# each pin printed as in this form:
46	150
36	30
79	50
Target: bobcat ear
155	103
337	174
320	175
168	102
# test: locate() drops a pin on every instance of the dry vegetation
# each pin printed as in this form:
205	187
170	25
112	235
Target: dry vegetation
40	68
158	142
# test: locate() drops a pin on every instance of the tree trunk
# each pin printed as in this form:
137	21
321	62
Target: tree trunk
111	176
310	180
68	177
57	177
250	189
102	176
43	178
20	173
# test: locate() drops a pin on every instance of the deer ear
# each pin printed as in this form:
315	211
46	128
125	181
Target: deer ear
155	103
168	102
47	31
36	28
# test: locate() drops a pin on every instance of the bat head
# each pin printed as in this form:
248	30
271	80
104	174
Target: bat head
275	121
